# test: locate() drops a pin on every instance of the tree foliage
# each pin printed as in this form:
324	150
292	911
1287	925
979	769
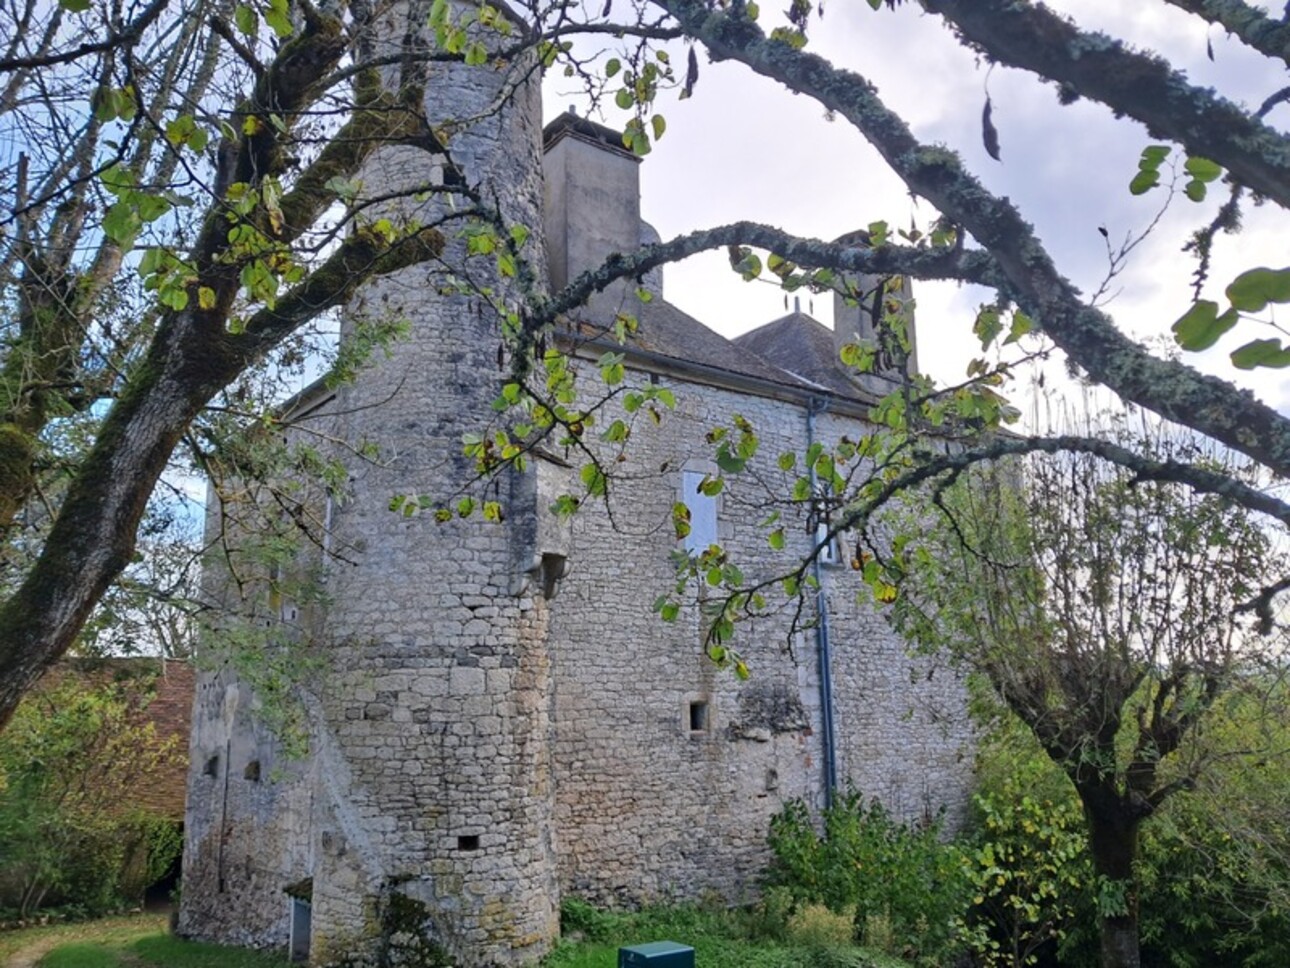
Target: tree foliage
1212	859
72	761
1104	611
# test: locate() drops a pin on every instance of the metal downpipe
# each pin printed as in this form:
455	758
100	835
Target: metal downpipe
822	645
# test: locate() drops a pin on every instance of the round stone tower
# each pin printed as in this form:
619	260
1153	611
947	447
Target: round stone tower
437	699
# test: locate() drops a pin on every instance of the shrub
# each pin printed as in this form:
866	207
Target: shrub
906	887
1029	865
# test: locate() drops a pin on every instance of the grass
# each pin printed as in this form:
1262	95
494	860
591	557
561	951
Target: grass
105	931
138	941
720	938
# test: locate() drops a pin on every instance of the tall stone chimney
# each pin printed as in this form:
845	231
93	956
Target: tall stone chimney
592	202
859	322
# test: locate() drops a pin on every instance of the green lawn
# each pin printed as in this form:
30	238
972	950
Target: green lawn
721	939
140	941
106	931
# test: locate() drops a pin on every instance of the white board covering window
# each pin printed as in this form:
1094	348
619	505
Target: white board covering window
703	513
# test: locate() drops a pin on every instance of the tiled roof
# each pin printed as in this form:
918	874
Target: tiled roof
804	347
795	352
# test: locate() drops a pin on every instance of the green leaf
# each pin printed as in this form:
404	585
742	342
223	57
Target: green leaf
593	479
1153	156
988	325
1253	289
624	99
1261	352
75	6
1201	326
278	17
1195	190
787	460
728	462
613	66
1144	181
122	223
1021	325
151	207
247	19
659	125
776	539
1202	169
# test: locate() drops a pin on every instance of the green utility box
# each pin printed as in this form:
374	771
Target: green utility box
656	954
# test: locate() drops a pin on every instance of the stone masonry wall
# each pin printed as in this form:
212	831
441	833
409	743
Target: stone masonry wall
648	808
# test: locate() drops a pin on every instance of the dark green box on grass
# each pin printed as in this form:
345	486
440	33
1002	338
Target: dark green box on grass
656	954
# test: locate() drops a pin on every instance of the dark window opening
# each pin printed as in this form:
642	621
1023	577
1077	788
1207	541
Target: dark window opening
252	771
212	766
468	842
698	717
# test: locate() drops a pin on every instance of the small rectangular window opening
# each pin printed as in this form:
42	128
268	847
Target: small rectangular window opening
468	842
703	513
212	766
698	717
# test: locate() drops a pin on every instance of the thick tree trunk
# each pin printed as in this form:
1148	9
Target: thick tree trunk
93	537
1113	839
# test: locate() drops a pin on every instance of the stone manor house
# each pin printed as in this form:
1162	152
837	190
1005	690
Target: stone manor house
502	718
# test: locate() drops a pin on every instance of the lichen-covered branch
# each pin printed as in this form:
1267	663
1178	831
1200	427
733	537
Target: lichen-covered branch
1146	468
919	263
360	257
1250	25
1142	86
1088	336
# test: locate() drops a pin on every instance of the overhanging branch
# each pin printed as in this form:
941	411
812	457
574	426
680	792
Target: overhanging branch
1089	337
1142	86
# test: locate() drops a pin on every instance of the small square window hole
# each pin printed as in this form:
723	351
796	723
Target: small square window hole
468	842
698	717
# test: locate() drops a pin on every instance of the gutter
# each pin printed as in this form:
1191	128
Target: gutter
822	645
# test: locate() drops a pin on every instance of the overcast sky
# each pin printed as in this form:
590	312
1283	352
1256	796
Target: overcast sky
743	147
